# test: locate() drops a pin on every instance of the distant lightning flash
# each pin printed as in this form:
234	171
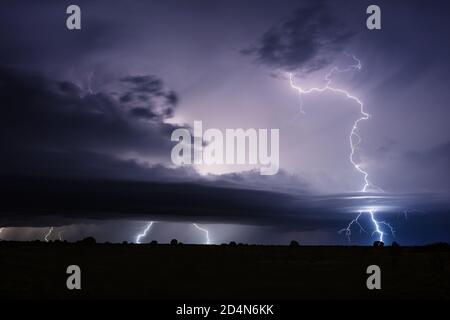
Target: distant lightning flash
48	234
208	241
354	139
347	230
144	233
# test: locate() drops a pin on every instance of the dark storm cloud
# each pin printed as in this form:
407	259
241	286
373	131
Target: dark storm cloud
281	182
54	128
147	99
307	41
29	202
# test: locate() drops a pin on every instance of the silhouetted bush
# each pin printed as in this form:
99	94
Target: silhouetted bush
124	242
395	244
378	244
438	246
232	244
154	242
88	240
174	242
294	243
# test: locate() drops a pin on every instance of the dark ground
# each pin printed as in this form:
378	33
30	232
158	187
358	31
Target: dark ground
38	270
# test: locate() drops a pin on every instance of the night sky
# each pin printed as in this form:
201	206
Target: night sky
87	115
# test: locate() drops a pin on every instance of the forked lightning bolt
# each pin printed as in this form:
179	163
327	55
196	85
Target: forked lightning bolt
208	241
354	140
144	233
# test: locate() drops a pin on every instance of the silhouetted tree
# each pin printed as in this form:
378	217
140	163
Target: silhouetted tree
232	244
88	240
154	242
174	242
395	244
378	244
124	242
294	243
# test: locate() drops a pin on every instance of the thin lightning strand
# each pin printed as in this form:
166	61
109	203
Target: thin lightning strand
388	226
208	241
48	234
347	230
353	144
144	233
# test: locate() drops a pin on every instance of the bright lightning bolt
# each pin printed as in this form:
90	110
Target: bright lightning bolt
144	233
48	234
354	140
208	241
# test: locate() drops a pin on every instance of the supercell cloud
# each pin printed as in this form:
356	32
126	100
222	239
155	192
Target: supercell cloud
86	118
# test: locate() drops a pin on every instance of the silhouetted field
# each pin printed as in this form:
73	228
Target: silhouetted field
38	270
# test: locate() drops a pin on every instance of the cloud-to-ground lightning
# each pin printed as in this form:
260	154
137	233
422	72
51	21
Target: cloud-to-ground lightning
354	140
347	230
48	234
208	241
144	233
